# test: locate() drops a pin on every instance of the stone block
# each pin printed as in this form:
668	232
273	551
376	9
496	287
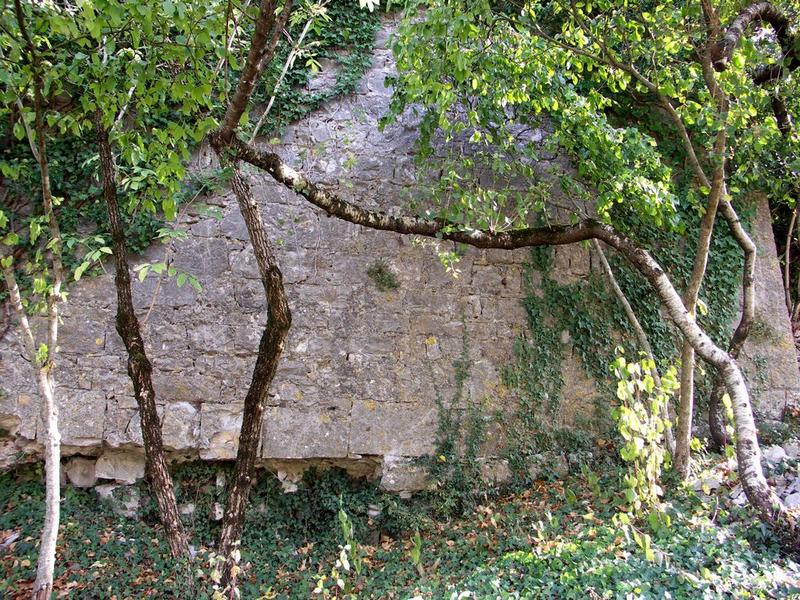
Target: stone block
122	426
383	428
400	474
182	386
181	426
232	226
123	500
81	416
298	433
84	334
578	393
768	403
219	430
495	471
121	466
81	472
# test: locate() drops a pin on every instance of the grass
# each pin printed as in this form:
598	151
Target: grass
553	540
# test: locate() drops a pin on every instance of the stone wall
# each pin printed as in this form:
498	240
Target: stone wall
769	358
362	368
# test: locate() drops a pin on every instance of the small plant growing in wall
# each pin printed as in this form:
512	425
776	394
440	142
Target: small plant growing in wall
382	276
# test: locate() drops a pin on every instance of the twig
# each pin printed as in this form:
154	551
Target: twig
786	258
286	66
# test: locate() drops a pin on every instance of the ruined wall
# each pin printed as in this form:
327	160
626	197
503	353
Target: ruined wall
362	368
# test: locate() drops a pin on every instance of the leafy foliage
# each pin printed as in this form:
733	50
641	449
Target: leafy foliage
158	75
587	312
382	277
535	544
640	423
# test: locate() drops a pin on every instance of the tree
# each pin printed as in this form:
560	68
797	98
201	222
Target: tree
766	74
483	69
146	79
46	286
479	70
117	68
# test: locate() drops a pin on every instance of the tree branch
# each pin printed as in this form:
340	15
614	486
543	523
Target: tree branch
762	12
268	27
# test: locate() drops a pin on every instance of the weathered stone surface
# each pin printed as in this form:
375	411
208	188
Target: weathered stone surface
792	500
219	431
81	416
546	463
792	448
400	474
386	428
495	471
296	433
181	426
123	467
768	357
774	455
122	426
81	472
216	512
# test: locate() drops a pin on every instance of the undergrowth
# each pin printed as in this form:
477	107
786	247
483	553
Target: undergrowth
554	540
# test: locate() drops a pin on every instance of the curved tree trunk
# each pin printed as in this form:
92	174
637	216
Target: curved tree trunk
270	349
268	28
683	435
720	54
139	366
769	506
716	417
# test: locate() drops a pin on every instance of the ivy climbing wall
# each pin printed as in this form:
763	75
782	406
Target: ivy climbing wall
377	325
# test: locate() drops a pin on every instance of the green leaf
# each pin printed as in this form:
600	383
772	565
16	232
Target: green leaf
80	269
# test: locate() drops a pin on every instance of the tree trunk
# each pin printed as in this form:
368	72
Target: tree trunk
269	351
787	259
268	28
51	440
139	366
716	416
641	337
683	433
43	586
720	55
769	506
683	436
44	370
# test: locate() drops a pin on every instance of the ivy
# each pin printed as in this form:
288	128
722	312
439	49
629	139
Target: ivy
346	39
589	315
168	117
453	468
596	324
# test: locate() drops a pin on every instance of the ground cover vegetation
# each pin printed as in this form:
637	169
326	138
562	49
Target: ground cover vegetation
551	539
